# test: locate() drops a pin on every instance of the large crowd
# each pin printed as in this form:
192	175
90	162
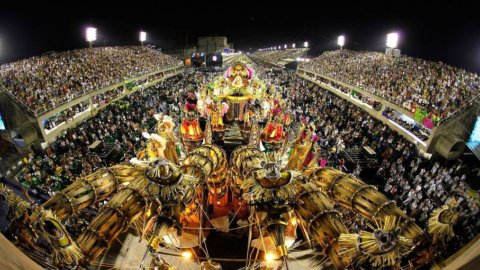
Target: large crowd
418	185
120	123
44	82
277	58
438	88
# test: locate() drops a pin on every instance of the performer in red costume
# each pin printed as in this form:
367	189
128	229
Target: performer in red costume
273	131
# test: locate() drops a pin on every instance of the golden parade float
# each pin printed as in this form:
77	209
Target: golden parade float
233	183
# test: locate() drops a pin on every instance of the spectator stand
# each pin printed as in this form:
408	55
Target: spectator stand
122	89
344	91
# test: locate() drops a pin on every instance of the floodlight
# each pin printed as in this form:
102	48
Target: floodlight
341	41
91	34
143	36
392	40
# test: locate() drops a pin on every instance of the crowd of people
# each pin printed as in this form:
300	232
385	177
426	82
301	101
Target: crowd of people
44	82
278	57
418	185
121	123
65	116
438	88
418	130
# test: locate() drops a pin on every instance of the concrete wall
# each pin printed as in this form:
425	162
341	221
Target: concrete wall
16	119
458	126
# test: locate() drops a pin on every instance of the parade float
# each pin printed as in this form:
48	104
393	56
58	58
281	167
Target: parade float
231	175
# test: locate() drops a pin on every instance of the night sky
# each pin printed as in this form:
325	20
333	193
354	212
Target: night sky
448	32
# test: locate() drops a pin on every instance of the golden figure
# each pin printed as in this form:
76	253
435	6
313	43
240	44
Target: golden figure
216	116
300	150
165	128
442	220
155	148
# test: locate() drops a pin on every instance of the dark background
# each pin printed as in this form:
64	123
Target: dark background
434	30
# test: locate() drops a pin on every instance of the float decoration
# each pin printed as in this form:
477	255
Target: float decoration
160	194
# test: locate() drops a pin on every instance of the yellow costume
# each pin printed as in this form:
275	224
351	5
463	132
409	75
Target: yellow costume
165	130
217	119
155	148
300	150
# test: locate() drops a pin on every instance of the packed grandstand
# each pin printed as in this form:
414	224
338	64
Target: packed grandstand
44	82
318	128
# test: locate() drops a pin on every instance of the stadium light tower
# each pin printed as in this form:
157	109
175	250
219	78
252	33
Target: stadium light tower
91	35
392	40
143	36
341	41
305	44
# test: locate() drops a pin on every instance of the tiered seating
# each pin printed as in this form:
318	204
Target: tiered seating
437	88
45	82
279	57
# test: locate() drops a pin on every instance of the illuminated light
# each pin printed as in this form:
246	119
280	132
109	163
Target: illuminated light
285	46
293	221
305	44
341	40
298	59
187	254
91	34
214	58
218	202
289	241
392	40
293	45
143	36
270	257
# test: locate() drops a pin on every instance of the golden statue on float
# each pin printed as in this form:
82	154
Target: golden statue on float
160	195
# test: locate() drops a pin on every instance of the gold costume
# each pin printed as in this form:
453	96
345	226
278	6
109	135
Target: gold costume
165	130
300	150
